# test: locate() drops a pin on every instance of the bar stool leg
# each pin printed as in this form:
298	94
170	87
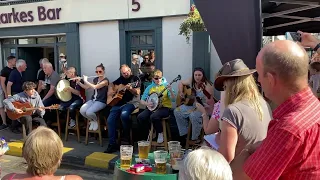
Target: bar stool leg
87	132
77	125
168	129
165	140
99	131
58	123
150	136
188	136
67	126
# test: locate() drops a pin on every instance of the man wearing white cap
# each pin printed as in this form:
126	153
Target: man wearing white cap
63	65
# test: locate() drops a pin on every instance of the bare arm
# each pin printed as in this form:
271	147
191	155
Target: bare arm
3	85
84	86
74	91
111	90
135	91
9	88
184	83
210	126
228	141
50	93
39	89
97	86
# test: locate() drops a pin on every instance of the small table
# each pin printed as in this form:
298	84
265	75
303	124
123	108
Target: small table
120	174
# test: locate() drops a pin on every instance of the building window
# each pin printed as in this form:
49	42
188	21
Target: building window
62	39
46	40
137	40
27	41
9	41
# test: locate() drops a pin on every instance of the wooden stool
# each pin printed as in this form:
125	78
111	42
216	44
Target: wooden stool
165	124
98	131
134	113
76	128
191	142
57	124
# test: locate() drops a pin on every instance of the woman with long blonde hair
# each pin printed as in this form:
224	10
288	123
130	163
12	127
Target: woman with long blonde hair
246	116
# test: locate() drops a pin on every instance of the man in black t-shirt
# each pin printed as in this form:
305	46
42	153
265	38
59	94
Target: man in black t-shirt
124	108
4	76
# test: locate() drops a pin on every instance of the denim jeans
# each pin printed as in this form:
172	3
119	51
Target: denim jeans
89	109
72	105
124	112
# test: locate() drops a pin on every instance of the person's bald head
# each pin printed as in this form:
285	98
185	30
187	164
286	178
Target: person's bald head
285	59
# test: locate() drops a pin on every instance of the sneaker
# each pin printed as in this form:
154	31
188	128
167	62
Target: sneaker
160	138
91	125
3	127
112	148
95	125
72	123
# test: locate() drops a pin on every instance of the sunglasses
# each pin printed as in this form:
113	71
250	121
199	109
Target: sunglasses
98	72
157	78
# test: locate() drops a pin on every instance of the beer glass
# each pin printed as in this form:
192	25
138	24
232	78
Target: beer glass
125	156
160	158
143	147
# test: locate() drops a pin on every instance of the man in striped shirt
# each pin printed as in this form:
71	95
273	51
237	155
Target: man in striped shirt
291	149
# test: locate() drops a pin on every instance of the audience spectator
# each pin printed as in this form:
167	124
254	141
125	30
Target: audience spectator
42	151
204	164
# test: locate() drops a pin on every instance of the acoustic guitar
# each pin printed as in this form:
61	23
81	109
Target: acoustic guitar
189	95
120	90
27	109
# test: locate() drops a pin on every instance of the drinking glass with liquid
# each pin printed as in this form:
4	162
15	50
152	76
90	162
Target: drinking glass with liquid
126	152
160	158
143	147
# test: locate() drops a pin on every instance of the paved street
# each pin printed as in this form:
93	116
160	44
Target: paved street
11	164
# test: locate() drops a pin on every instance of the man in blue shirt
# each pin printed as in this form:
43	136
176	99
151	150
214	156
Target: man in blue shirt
16	78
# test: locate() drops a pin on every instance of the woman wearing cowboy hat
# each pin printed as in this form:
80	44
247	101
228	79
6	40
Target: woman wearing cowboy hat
246	116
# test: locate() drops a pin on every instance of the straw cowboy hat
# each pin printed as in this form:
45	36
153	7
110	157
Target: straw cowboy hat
62	55
234	68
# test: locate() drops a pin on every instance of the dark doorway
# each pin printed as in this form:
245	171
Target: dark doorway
32	55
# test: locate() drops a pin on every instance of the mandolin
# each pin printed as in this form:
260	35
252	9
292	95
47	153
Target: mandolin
120	90
27	109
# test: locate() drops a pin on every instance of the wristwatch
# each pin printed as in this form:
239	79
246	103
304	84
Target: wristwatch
317	47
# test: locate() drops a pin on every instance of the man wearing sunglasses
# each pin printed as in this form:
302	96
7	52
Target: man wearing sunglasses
124	107
76	101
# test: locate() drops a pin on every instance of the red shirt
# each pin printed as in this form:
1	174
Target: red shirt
291	149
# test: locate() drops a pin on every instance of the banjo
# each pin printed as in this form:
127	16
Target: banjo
155	98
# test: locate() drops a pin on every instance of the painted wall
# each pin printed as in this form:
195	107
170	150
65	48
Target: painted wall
177	54
68	11
99	43
215	65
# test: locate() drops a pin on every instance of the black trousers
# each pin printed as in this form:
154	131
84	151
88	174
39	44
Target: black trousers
147	117
27	121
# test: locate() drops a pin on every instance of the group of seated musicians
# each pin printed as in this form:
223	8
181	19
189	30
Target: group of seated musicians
104	94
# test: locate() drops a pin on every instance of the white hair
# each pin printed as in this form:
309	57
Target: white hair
48	64
20	62
205	163
134	56
43	60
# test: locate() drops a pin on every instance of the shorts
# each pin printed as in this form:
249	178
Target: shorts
1	98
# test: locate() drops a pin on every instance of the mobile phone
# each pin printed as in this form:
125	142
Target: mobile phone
293	36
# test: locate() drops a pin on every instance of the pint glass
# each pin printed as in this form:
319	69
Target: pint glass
160	158
125	156
143	147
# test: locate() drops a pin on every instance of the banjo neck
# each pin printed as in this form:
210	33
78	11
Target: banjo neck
161	93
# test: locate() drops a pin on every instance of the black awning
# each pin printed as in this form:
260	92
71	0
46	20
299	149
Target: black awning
280	16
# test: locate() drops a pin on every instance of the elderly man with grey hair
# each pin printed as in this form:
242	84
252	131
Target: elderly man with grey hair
14	86
41	76
135	65
205	163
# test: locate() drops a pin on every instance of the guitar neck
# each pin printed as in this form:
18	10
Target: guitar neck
32	109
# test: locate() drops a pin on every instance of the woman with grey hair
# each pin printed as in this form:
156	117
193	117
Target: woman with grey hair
205	163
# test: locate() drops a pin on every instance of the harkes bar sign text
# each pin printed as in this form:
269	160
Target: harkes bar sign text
28	16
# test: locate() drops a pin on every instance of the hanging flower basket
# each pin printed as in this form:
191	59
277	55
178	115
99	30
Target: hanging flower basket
193	23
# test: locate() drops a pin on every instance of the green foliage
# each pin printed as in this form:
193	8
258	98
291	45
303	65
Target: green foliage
193	23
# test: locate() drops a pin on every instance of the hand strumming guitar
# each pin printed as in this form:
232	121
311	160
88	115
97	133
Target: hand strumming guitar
18	111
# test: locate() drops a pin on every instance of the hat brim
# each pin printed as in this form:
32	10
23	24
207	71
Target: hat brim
218	83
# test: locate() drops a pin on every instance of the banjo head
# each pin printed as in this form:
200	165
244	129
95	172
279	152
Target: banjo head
62	95
154	99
